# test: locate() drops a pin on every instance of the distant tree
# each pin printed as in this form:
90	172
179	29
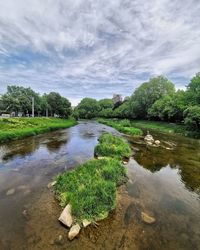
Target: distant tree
57	104
19	99
106	103
88	108
193	90
192	118
147	94
169	107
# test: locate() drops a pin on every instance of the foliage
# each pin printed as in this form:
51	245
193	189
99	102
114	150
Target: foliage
193	90
19	99
123	126
87	108
58	105
112	146
18	128
169	107
147	94
192	118
91	188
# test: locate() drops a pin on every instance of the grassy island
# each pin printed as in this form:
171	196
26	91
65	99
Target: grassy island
91	187
18	128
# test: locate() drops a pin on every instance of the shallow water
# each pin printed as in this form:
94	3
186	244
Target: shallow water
162	182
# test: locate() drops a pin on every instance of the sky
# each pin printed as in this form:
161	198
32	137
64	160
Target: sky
96	48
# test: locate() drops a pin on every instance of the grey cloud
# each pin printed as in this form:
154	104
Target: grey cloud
95	48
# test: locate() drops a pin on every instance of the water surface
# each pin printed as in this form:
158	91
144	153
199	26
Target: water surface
162	182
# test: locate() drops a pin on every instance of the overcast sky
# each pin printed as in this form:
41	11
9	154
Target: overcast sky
97	47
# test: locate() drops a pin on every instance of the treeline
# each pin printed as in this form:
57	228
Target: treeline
156	99
18	101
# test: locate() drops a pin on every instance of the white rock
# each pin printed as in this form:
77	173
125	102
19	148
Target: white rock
86	223
147	218
74	231
157	142
66	217
10	191
51	184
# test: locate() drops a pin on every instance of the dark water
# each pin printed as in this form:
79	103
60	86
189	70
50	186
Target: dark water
164	183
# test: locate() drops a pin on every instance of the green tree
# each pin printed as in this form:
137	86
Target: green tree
193	90
169	107
147	94
58	105
192	118
19	99
106	103
88	108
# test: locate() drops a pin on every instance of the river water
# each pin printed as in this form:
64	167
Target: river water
163	182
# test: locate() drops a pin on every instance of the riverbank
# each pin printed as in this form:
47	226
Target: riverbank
18	128
135	127
123	126
89	192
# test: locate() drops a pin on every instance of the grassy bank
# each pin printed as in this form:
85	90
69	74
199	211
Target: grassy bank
123	126
135	127
91	188
18	128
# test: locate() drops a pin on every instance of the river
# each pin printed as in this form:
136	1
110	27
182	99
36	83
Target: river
165	183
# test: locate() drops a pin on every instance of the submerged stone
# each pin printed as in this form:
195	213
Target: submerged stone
147	218
10	191
74	231
66	217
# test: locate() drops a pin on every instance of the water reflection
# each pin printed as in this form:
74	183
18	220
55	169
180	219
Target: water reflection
160	183
185	156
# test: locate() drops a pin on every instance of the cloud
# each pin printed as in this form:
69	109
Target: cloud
97	48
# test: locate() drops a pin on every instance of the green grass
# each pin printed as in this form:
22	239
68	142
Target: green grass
18	128
135	127
112	146
91	188
123	126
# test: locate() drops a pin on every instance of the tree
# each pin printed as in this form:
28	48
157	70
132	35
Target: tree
106	103
58	105
88	108
193	90
192	118
147	94
19	99
169	107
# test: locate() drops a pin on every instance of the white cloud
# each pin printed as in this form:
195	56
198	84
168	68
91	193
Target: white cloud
94	48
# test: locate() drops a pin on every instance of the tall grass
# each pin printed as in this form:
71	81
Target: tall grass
18	128
123	126
91	188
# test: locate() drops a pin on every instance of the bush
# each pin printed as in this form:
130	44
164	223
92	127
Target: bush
192	118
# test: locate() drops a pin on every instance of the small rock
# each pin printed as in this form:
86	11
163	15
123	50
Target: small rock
157	142
101	157
25	214
147	218
74	231
66	217
125	162
86	223
51	184
10	191
149	143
